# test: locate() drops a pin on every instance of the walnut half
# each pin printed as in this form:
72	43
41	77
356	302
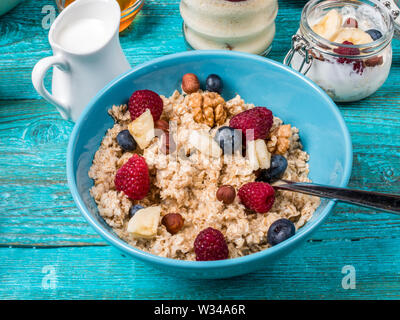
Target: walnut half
279	141
208	108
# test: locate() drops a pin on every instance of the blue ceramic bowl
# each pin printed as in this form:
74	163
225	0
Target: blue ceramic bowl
7	5
288	94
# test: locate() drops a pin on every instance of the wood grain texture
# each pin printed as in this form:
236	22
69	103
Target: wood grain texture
103	273
40	225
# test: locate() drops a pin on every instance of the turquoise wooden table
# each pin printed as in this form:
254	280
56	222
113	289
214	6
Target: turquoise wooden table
48	251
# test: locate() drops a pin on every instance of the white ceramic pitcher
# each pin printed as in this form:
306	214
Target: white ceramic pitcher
81	68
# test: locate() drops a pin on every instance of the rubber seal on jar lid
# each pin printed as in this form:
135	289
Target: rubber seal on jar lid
394	7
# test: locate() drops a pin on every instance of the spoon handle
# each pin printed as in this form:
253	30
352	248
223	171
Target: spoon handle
370	199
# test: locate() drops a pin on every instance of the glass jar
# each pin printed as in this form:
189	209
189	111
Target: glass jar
347	72
247	26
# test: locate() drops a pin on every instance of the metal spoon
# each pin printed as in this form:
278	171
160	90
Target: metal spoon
370	199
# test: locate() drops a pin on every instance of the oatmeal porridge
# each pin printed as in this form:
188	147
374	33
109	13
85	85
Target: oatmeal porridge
173	176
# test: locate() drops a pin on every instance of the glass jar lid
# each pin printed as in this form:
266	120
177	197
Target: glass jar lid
394	7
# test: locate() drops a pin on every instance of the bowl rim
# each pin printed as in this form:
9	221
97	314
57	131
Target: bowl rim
203	265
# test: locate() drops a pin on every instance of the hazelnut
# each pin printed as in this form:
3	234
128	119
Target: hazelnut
162	125
226	194
190	83
374	61
173	222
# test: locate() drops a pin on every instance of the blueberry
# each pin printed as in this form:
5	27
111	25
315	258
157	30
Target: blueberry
214	83
134	209
229	139
375	34
280	230
275	171
126	141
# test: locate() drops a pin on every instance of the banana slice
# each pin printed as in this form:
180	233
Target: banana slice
263	155
329	25
251	152
205	144
258	154
354	35
145	222
142	129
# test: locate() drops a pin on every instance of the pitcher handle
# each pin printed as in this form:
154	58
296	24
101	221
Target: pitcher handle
38	74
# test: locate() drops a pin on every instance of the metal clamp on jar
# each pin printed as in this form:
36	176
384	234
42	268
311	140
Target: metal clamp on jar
345	46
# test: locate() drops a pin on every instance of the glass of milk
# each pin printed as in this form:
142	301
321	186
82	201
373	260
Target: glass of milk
247	25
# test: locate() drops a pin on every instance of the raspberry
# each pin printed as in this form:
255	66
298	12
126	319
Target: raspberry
258	119
133	178
145	99
347	51
358	65
210	245
257	196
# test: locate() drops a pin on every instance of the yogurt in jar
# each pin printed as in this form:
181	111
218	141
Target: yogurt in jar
241	25
350	45
345	82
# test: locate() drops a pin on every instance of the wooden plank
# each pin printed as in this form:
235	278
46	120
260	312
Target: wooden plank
312	272
36	209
